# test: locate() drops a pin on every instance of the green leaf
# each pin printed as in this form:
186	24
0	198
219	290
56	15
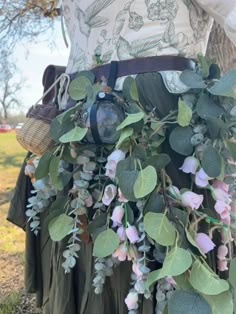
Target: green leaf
207	108
53	171
232	148
57	129
65	116
75	135
183	282
43	167
145	182
77	88
232	273
221	303
159	162
88	74
216	128
134	91
177	261
60	226
158	227
211	162
127	181
186	302
59	203
125	133
192	79
205	281
184	114
226	85
180	140
203	64
106	243
155	203
130	119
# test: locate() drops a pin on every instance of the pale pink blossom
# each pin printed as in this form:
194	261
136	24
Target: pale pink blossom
132	234
121	233
112	161
121	198
223	210
222	252
217	184
132	300
88	201
204	242
171	280
109	194
202	179
222	265
220	195
136	270
121	252
117	215
190	165
191	199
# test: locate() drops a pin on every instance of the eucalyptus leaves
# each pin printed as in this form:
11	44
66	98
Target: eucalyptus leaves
122	198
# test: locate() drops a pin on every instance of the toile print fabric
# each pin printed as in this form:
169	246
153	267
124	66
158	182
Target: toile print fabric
105	30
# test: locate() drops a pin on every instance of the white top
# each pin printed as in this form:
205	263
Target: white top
123	29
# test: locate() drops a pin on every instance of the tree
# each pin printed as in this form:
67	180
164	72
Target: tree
10	86
25	19
221	48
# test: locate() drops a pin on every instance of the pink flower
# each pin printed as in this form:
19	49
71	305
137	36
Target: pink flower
222	265
132	300
191	199
222	252
112	162
121	253
171	280
132	234
121	233
117	215
121	198
88	201
190	165
220	195
217	184
136	270
204	242
201	178
223	210
109	194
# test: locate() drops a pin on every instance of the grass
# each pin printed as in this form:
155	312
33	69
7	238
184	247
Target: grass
10	303
12	237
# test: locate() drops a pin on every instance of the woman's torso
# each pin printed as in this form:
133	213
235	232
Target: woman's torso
105	30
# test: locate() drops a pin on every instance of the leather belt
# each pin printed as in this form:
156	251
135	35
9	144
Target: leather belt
145	65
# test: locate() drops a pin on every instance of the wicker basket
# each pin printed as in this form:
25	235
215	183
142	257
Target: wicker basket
34	135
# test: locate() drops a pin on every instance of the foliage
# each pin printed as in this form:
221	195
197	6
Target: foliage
122	195
24	20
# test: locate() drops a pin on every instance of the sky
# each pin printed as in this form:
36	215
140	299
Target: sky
32	59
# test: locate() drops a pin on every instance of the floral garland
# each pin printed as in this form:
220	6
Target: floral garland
122	197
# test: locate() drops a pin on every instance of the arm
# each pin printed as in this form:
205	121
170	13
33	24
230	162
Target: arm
224	13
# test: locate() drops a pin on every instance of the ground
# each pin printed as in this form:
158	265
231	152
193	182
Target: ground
13	299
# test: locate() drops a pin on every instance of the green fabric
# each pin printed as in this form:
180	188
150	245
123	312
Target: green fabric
73	293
